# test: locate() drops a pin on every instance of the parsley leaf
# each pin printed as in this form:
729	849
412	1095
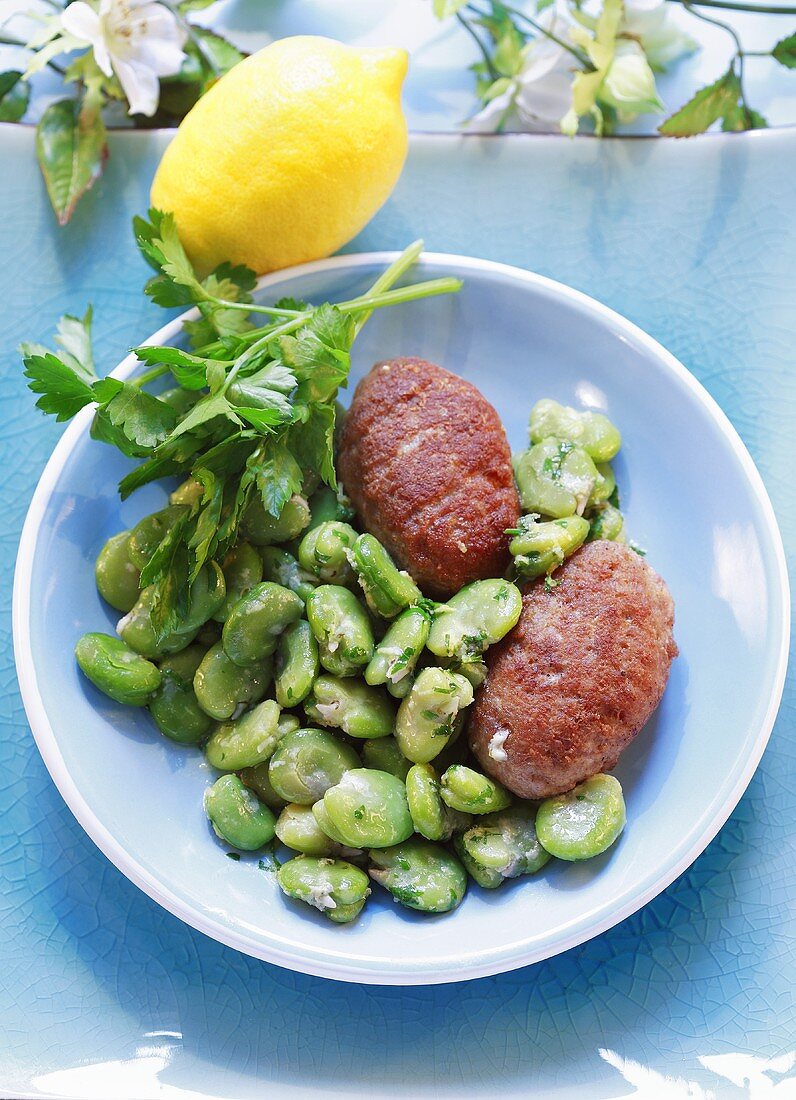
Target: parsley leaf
64	392
785	52
278	476
144	419
708	105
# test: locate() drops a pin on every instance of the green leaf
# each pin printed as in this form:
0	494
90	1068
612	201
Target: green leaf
14	96
785	52
203	411
265	391
172	459
189	370
105	431
706	107
161	560
208	519
445	8
231	454
73	337
71	151
743	118
319	354
144	419
312	442
64	391
217	53
278	476
160	242
264	420
193	5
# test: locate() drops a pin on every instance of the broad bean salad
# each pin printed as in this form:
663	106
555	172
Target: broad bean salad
331	694
262	626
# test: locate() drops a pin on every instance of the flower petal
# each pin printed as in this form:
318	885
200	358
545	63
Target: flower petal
139	84
81	21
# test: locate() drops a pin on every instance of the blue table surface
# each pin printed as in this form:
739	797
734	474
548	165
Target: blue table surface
104	994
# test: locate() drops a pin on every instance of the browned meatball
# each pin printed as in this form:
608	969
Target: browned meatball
426	462
586	665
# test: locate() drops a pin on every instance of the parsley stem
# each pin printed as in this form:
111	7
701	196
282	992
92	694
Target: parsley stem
411	293
149	375
392	274
250	307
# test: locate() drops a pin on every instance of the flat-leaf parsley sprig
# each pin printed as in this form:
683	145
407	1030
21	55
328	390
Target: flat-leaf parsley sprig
254	407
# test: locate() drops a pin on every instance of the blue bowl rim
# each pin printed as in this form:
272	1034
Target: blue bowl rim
337	965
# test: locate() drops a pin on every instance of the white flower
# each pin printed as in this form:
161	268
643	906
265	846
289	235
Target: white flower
138	40
545	82
650	21
629	84
539	94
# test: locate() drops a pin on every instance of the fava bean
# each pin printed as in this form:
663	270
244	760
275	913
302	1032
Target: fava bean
256	621
256	779
237	815
341	628
420	874
263	529
387	588
297	664
282	568
555	478
137	630
486	877
323	552
327	504
383	754
296	826
479	615
592	431
539	548
150	531
583	822
222	687
307	762
395	657
506	842
189	492
242	568
430	816
468	790
332	886
175	708
350	705
116	574
605	484
366	809
607	523
427	717
249	740
117	670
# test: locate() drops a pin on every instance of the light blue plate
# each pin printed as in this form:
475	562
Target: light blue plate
692	497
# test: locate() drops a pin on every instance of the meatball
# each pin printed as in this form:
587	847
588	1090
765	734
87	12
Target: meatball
586	665
425	460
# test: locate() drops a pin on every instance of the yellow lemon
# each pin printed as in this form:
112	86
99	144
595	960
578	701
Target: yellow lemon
288	156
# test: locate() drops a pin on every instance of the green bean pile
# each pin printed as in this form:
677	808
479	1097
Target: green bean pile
331	695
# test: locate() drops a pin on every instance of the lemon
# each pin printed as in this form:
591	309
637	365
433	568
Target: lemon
288	156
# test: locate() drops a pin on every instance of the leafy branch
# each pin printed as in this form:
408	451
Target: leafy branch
251	417
612	78
71	141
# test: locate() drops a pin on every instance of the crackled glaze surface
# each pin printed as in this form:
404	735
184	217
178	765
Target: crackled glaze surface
104	994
